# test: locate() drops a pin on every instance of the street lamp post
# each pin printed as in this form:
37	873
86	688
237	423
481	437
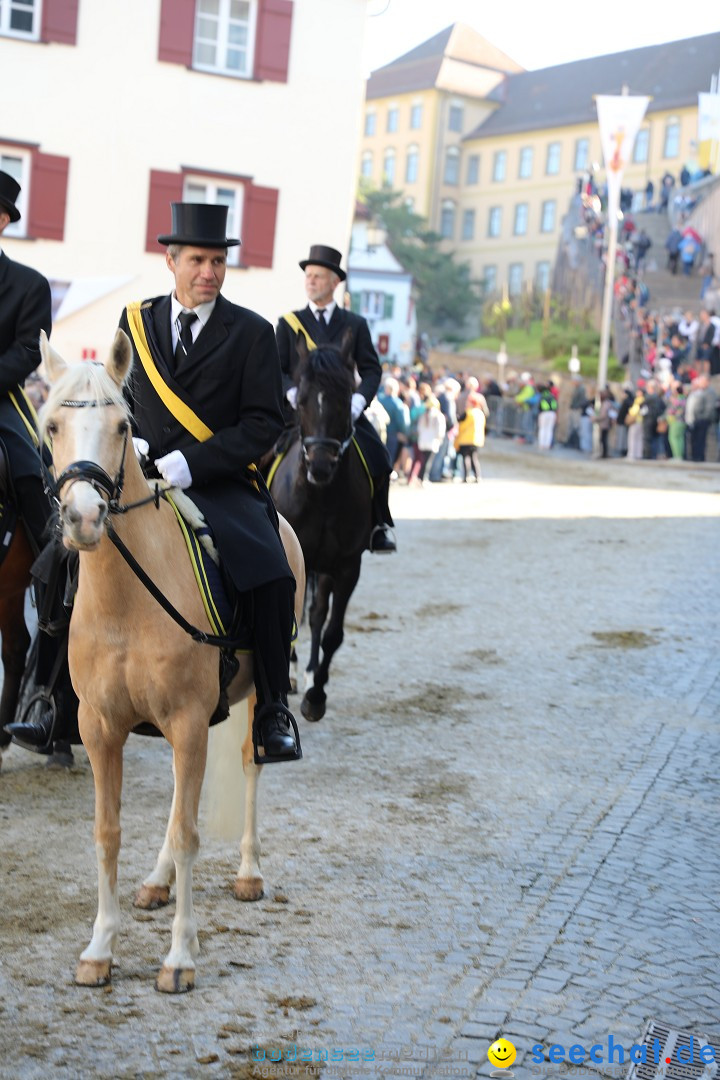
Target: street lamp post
502	359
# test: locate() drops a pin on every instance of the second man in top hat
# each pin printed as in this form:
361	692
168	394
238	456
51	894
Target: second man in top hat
325	322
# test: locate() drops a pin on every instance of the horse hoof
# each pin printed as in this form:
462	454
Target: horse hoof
312	710
175	980
93	973
151	897
249	888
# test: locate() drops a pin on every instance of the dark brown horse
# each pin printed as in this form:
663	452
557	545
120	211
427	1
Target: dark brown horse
323	488
14	581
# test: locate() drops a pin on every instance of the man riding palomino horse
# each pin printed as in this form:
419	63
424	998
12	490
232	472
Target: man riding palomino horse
25	310
205	394
322	322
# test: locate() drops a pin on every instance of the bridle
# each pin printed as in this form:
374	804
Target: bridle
91	473
335	447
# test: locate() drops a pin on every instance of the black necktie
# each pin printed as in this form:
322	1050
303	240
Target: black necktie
185	340
320	316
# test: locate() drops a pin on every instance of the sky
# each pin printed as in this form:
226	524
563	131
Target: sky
536	33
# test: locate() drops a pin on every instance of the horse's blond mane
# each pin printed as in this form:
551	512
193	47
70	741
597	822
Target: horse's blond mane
84	381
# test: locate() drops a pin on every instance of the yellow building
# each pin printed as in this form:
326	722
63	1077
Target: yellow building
499	164
419	107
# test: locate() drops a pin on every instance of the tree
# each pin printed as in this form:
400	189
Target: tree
444	291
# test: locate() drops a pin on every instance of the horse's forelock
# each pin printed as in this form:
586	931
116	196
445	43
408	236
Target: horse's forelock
82	382
327	368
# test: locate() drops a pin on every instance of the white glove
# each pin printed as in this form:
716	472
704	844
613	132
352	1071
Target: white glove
291	395
141	447
174	468
358	405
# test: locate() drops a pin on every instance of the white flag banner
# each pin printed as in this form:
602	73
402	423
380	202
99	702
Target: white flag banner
708	117
619	118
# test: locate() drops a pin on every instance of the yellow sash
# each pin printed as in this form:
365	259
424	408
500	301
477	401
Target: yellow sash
294	323
32	428
182	412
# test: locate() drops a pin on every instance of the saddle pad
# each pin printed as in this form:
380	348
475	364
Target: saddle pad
220	608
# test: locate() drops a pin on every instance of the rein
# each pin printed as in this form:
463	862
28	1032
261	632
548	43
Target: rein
92	473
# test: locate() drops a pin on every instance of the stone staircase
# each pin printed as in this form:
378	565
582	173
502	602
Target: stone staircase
669	293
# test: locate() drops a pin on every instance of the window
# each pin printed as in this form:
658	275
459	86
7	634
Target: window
389	167
17	164
494	221
447	220
499	165
416	112
376	305
455	116
582	154
473	169
515	278
451	174
542	276
370	123
20	18
366	166
642	146
43	180
225	36
671	146
490	279
392	118
521	219
526	163
412	163
552	161
468	225
547	218
252	210
230	195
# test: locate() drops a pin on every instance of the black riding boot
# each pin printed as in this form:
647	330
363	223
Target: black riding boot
274	727
34	508
382	541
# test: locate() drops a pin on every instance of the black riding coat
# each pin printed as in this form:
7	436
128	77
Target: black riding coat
366	361
25	310
231	379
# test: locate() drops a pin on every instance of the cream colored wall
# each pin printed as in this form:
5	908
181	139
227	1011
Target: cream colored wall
400	141
117	113
535	246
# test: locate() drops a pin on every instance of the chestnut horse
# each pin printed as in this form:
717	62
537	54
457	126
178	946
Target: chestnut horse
14	582
130	662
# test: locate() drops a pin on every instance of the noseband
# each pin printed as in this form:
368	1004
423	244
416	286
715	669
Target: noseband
335	448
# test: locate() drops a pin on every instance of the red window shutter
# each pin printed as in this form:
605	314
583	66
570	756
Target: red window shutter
59	21
177	29
259	215
165	187
272	41
48	196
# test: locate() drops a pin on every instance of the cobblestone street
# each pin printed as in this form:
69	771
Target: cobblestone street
505	824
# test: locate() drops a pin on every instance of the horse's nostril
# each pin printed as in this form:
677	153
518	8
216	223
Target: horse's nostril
102	513
70	514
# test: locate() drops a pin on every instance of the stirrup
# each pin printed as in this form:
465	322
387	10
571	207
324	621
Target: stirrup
46	698
268	759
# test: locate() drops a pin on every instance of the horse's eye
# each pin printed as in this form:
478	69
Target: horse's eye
52	428
123	427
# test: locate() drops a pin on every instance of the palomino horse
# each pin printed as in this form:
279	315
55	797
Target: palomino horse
130	662
323	488
14	582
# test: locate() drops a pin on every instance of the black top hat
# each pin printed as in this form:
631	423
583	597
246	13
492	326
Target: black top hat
198	224
324	256
9	191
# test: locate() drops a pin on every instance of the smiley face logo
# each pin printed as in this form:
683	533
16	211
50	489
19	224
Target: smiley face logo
502	1053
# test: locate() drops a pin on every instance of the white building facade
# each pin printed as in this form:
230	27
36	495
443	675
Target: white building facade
119	109
381	291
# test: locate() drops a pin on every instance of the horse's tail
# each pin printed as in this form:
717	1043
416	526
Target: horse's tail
223	794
